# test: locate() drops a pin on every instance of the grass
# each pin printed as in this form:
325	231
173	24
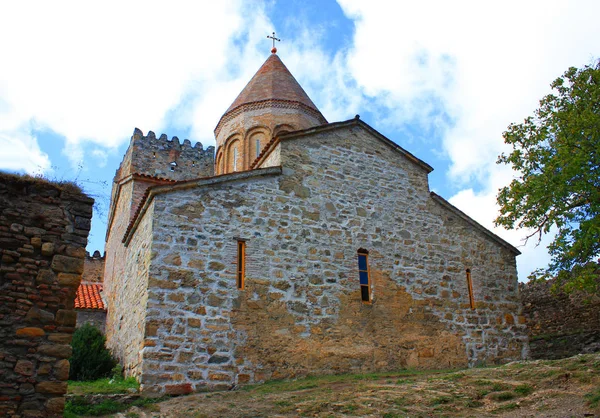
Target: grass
593	398
452	393
103	386
502	396
524	390
80	407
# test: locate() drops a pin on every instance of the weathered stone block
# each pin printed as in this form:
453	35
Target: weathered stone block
180	389
65	264
221	377
55	406
55	388
60	338
24	367
55	350
69	279
48	249
61	369
30	332
45	277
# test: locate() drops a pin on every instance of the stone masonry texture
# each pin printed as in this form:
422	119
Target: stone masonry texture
43	234
179	323
560	325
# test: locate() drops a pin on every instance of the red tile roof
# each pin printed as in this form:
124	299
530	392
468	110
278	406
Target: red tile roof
272	81
88	297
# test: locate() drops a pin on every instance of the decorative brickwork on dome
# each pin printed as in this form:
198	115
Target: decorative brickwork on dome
88	297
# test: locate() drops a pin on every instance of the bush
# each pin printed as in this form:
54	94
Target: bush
90	360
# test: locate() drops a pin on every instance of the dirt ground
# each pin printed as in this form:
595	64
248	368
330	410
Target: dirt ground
542	388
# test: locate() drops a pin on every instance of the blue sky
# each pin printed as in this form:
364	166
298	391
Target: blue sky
442	79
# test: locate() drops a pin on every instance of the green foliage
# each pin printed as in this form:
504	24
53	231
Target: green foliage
90	360
78	406
556	154
104	386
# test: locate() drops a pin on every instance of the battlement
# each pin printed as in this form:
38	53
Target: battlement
164	158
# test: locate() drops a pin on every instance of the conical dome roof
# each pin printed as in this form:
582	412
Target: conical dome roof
272	85
272	81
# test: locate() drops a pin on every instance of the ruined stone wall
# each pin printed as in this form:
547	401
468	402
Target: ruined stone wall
93	268
560	325
300	311
43	234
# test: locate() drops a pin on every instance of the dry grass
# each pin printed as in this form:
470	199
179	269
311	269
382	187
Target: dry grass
567	387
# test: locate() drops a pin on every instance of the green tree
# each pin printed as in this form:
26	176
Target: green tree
556	154
90	359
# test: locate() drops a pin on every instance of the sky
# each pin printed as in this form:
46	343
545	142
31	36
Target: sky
441	79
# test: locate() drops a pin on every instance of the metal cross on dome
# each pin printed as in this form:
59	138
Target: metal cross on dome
273	50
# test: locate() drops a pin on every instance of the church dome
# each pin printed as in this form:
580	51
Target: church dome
272	102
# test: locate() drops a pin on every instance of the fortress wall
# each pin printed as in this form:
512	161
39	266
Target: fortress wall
43	234
560	325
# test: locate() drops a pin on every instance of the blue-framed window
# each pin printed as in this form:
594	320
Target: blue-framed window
364	276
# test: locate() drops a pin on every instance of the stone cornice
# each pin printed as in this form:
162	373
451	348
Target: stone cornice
269	103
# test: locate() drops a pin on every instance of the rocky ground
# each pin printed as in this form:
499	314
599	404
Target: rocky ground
542	388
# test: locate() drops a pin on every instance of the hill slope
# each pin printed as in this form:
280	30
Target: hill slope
548	388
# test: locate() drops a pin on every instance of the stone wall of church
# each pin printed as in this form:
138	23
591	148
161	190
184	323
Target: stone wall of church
125	286
43	234
301	311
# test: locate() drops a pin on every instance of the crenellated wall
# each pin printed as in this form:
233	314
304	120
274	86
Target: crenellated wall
152	156
93	269
43	234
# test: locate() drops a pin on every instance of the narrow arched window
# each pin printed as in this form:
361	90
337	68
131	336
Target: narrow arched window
241	264
364	275
235	158
257	147
470	288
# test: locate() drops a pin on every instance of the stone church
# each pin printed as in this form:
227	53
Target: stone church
297	247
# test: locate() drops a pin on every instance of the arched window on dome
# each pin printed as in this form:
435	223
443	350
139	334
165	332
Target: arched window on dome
233	157
257	142
219	164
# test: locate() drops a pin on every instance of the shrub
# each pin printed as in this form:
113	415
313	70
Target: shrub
90	360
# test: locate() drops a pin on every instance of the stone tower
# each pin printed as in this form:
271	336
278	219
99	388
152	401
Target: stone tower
271	103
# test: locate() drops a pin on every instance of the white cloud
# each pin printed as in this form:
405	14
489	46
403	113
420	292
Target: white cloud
93	73
484	64
20	152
